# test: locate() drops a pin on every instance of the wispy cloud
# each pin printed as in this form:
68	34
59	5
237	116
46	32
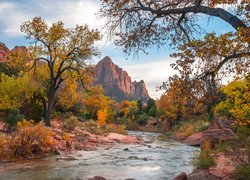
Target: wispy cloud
14	13
11	17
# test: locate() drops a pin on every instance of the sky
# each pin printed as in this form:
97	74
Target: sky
153	68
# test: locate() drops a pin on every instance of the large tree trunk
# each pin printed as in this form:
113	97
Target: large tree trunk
48	113
51	102
49	110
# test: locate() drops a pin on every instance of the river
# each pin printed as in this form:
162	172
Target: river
160	159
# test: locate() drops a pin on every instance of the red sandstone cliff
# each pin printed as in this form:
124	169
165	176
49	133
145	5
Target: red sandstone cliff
21	51
117	83
4	51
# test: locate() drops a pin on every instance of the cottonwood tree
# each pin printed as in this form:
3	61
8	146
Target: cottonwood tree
142	23
214	57
64	51
203	66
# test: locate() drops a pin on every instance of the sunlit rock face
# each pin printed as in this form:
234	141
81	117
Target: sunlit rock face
20	51
117	83
4	51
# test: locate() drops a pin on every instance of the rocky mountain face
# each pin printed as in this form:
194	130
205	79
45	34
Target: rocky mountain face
21	51
117	83
4	51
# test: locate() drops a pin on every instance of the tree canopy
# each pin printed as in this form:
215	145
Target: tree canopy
64	51
140	24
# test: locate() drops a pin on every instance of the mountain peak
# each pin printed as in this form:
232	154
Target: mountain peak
117	83
107	60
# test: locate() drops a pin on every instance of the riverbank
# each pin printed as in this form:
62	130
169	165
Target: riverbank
31	141
222	152
157	158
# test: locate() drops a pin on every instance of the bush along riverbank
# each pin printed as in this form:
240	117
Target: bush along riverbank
30	140
225	151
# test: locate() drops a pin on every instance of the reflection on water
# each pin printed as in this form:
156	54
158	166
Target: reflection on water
161	159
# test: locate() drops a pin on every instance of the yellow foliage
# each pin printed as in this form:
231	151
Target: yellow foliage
102	115
236	105
127	107
14	91
19	59
70	93
206	145
187	131
95	100
65	136
179	101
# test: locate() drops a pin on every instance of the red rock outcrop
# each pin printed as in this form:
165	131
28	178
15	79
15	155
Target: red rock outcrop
117	83
225	166
21	51
118	138
212	135
4	51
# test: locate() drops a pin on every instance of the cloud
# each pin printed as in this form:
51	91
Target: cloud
14	13
11	17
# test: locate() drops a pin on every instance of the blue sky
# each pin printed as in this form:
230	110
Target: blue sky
153	68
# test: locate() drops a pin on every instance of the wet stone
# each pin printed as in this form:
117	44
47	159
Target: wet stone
97	178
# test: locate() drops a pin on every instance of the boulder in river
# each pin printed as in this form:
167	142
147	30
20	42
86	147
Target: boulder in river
67	158
212	135
182	176
202	175
97	178
120	138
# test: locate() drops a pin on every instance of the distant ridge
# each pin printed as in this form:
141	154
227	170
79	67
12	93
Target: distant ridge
117	83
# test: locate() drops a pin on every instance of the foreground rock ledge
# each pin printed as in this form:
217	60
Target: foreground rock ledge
225	166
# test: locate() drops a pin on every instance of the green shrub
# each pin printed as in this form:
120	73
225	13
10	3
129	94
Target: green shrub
35	111
76	108
222	146
242	172
71	123
13	116
243	132
91	126
142	120
152	111
201	126
203	160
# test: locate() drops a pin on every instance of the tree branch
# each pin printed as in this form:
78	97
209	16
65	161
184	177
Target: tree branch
217	12
221	63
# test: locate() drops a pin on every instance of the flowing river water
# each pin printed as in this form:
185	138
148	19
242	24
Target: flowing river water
160	158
